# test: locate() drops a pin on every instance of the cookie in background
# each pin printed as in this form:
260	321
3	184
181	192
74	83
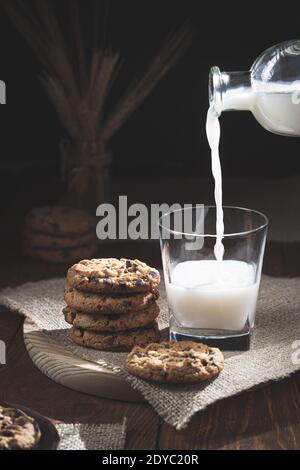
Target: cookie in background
57	234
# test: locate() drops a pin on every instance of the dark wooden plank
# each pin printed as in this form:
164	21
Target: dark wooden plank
291	253
10	323
21	269
264	419
274	262
22	383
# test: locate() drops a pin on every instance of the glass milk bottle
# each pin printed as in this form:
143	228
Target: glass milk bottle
270	90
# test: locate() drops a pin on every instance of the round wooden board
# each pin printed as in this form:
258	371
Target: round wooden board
73	372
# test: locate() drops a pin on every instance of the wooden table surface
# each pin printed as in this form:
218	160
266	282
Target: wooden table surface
268	418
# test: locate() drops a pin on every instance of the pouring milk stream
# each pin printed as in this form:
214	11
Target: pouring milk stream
222	293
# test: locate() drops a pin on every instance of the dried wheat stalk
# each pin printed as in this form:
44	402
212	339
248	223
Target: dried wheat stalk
79	89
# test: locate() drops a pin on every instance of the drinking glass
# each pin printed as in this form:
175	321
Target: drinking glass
212	301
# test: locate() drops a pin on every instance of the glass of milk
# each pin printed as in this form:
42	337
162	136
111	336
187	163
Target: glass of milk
212	298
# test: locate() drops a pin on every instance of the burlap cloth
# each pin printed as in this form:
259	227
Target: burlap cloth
76	436
271	356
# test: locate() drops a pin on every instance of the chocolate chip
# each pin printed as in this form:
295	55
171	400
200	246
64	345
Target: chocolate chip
93	280
128	264
107	281
114	316
21	421
139	282
7	433
123	285
141	354
154	274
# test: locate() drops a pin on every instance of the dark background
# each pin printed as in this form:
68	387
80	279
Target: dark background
166	136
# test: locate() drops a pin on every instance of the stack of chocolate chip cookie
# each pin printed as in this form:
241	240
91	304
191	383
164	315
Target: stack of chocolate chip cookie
59	234
111	304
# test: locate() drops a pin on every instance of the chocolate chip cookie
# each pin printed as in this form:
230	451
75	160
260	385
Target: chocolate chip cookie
106	304
60	221
17	430
41	240
112	322
172	362
61	255
108	275
121	341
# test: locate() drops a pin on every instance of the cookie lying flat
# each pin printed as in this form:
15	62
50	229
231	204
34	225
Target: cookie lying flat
113	275
17	430
61	221
173	362
121	341
61	255
112	322
41	240
105	303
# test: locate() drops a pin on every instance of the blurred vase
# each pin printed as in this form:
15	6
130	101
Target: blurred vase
86	172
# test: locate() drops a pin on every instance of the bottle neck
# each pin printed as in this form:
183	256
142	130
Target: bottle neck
230	91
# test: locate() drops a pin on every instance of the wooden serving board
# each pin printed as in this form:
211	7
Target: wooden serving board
69	370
